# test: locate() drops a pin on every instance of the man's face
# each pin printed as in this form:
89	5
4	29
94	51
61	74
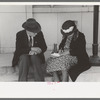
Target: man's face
31	33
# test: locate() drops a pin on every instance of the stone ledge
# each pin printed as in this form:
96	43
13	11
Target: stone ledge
9	74
91	75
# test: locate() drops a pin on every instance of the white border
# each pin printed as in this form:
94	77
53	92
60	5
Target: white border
49	3
49	90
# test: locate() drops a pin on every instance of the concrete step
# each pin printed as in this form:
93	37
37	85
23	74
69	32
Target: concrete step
91	75
8	74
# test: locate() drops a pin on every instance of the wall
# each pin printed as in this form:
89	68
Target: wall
11	19
50	17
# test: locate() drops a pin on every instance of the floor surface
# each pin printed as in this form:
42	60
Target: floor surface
7	74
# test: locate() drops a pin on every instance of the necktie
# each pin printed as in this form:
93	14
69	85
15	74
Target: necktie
30	41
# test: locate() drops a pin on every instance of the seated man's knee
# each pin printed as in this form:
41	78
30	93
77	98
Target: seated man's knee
34	57
24	57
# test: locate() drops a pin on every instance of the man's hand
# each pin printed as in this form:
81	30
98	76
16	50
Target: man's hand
32	53
35	50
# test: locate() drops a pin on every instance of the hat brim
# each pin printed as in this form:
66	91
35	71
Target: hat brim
68	24
35	28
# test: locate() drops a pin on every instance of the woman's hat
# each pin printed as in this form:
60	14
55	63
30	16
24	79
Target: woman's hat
68	27
68	24
32	25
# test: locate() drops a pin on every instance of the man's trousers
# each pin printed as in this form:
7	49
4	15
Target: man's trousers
25	62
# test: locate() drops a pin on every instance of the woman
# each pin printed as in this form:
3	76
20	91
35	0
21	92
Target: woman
73	58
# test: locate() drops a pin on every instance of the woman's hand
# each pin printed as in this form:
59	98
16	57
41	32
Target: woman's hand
54	55
60	51
64	53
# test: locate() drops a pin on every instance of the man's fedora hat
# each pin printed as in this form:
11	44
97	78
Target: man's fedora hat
32	25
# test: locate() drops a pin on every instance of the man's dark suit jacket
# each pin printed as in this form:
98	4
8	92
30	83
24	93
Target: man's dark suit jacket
22	46
78	49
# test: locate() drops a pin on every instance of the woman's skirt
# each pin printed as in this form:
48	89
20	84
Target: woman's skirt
60	63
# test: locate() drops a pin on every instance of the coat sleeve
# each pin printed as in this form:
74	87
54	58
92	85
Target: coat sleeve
79	48
42	43
21	44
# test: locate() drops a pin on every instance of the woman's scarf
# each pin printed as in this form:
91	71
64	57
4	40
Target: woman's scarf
62	44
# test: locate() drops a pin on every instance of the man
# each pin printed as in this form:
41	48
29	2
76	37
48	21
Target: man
30	48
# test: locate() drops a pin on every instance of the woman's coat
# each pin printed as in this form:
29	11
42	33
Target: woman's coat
78	49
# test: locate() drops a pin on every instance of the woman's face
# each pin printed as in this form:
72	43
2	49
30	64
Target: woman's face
68	31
